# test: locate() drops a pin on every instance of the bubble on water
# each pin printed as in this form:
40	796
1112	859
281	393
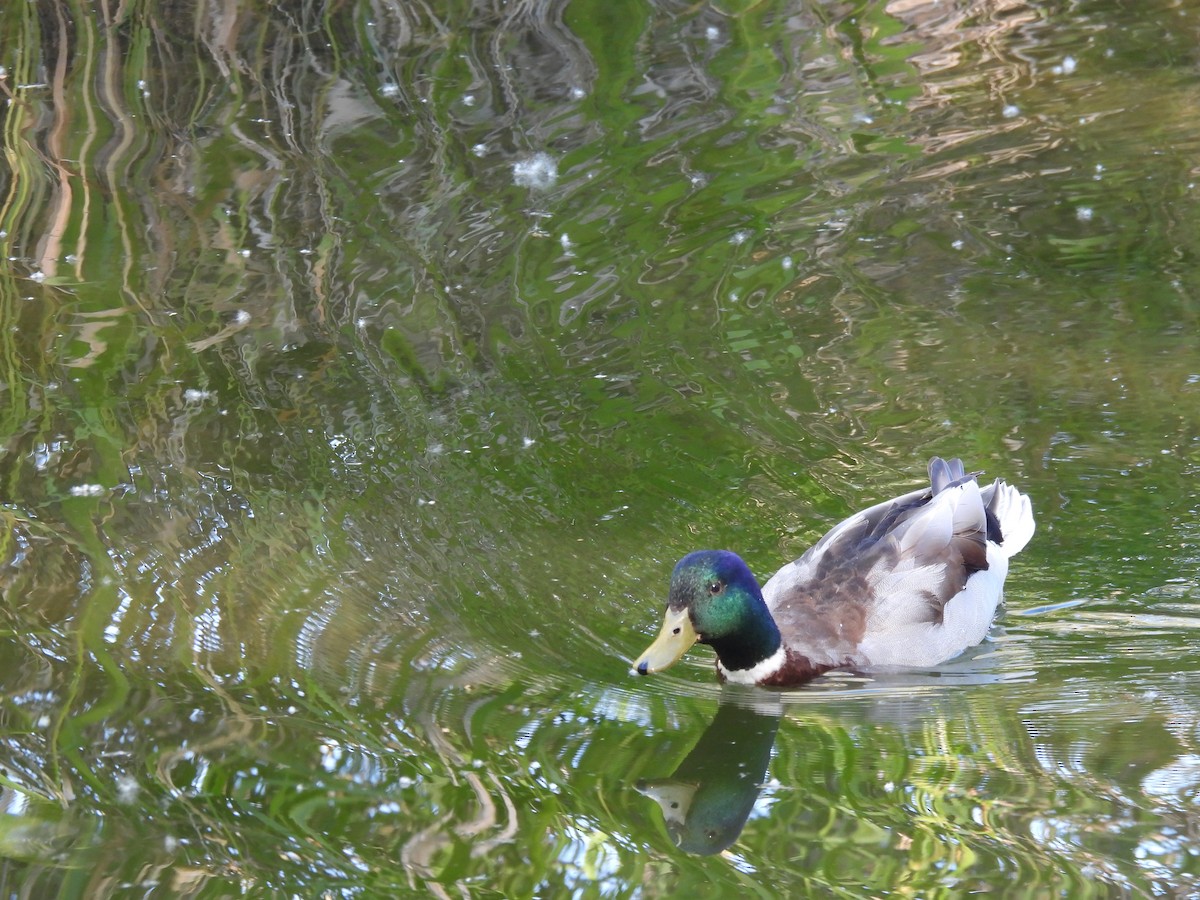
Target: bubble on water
1084	214
788	264
331	755
87	490
957	244
127	789
1066	67
241	317
196	395
740	236
712	32
480	149
1011	111
578	93
538	172
39	277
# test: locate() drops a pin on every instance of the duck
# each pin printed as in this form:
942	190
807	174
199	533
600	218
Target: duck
908	583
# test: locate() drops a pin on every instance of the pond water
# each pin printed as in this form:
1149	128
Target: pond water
368	365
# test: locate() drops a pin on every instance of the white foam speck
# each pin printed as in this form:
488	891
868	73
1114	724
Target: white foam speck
539	172
1084	213
127	789
1011	111
87	490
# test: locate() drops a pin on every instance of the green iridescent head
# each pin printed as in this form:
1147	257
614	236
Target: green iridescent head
714	599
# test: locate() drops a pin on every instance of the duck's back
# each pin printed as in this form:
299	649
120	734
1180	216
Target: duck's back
910	582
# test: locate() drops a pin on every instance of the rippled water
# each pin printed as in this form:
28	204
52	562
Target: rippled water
367	366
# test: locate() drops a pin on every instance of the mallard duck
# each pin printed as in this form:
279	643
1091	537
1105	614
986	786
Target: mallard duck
907	583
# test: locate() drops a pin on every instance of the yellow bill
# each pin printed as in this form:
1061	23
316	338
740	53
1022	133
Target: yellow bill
672	642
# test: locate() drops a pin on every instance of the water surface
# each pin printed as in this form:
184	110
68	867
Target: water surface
367	366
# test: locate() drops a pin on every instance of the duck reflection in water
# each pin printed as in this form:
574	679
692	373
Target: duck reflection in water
708	799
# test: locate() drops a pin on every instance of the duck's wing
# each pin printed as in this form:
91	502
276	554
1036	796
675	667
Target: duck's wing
895	565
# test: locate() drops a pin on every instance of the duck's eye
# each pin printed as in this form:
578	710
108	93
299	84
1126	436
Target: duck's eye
714	587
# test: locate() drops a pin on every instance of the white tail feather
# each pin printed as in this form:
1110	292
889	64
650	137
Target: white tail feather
1015	514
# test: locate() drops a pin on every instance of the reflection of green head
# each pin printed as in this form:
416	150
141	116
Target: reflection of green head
715	818
708	799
